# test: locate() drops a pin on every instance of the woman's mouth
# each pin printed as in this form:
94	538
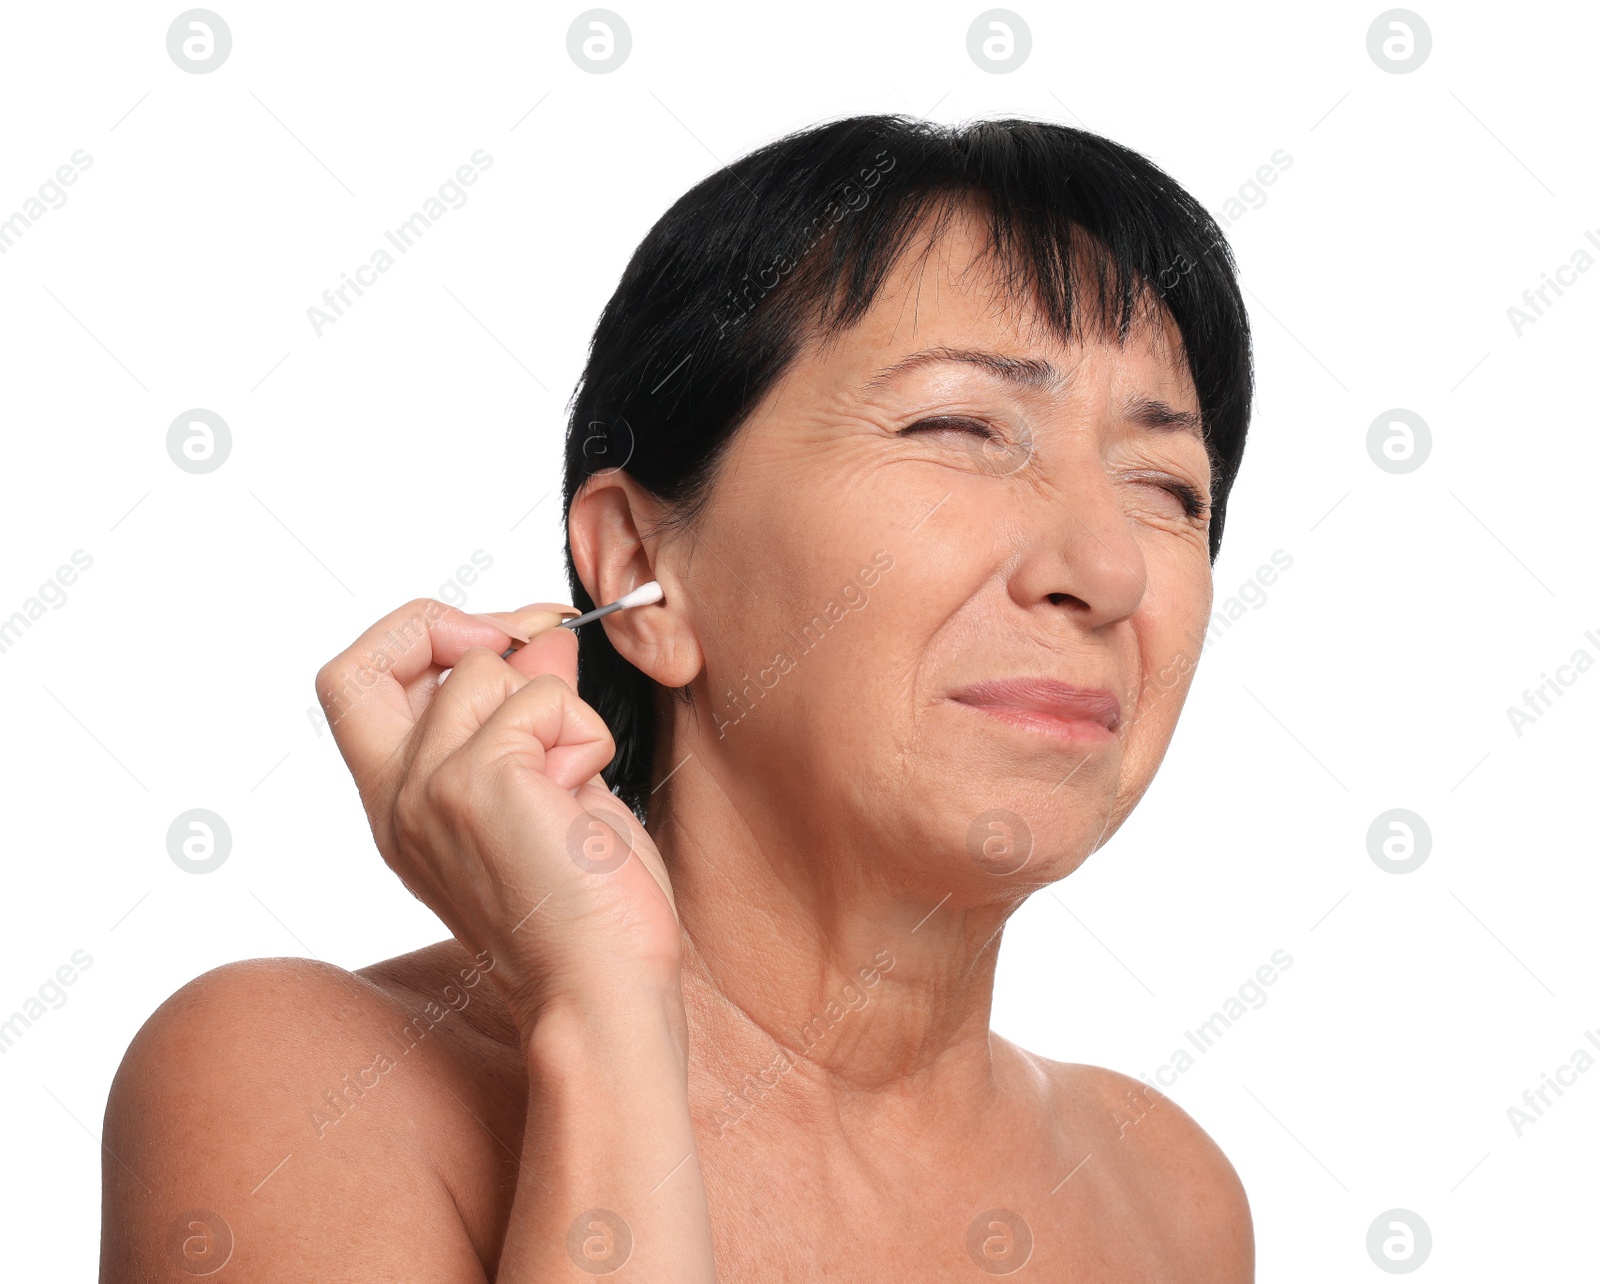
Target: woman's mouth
1046	706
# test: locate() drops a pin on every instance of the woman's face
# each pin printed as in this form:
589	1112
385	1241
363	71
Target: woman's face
867	556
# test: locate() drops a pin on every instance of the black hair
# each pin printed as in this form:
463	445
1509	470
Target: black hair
793	241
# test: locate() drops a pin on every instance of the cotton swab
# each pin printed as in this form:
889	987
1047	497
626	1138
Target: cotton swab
644	595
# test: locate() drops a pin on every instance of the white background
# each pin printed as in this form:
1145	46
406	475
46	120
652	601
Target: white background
372	461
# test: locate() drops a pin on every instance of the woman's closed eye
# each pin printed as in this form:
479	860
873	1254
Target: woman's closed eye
1186	497
977	442
954	423
1189	500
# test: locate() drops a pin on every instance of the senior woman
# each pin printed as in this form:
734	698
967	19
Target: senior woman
926	434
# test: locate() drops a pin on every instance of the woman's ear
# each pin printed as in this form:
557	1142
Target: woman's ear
614	529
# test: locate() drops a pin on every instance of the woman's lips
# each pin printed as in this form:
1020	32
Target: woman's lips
1048	706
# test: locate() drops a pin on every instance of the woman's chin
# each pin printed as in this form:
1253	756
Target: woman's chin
1001	859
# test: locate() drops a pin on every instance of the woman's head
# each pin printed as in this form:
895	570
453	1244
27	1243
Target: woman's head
892	409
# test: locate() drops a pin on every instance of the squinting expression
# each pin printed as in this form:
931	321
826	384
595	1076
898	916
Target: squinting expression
962	577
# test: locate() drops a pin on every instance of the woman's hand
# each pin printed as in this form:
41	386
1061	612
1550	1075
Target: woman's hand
483	792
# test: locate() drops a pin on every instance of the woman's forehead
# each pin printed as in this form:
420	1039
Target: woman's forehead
893	350
950	299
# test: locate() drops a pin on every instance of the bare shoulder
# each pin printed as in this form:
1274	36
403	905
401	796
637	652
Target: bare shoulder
1167	1172
295	1119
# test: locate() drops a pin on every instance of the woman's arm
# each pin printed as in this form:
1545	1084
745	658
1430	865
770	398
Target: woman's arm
223	1153
483	792
609	1136
246	1137
481	786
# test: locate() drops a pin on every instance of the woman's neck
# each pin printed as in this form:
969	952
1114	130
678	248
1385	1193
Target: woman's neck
814	971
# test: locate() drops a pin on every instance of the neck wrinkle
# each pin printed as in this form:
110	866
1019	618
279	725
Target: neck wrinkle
922	1032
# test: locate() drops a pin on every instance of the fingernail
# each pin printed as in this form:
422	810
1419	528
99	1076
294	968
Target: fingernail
507	624
535	620
528	621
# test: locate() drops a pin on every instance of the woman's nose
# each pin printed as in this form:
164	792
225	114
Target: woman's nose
1083	554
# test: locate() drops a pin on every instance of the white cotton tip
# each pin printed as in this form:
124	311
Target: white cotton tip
644	595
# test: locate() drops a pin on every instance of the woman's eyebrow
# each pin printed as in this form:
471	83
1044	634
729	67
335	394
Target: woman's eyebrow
1150	412
1034	372
1027	372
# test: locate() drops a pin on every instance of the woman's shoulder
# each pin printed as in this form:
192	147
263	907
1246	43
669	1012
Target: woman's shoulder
1157	1164
286	1018
292	1098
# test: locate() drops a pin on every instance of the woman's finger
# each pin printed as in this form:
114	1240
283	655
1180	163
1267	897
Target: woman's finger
364	690
542	725
375	691
481	682
526	621
597	798
554	650
536	717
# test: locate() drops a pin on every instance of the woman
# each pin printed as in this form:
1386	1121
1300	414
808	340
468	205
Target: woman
927	435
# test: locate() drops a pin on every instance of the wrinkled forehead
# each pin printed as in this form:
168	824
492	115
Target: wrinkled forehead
955	285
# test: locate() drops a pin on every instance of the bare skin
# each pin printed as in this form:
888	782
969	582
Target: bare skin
762	1041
